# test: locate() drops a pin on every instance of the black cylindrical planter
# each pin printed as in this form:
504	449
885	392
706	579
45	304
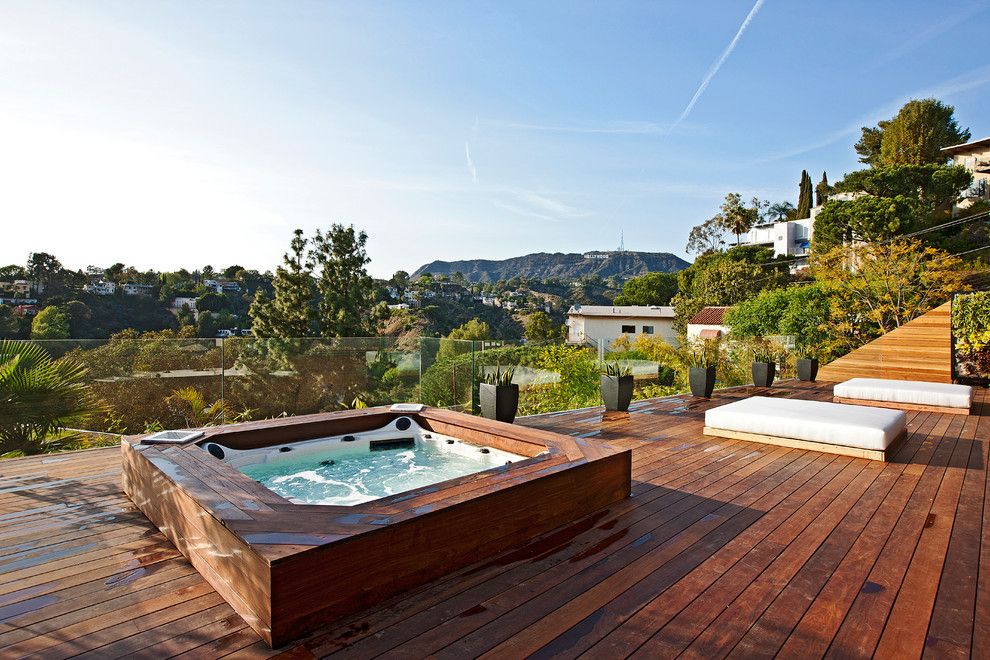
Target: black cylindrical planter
617	392
807	368
665	376
763	373
499	402
702	381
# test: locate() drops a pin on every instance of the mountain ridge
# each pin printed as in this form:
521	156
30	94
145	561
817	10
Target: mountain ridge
563	265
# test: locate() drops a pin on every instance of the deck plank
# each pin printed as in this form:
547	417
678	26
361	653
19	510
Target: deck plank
725	547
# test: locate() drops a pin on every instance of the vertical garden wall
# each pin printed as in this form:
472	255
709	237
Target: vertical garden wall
971	337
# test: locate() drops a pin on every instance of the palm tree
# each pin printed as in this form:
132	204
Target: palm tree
735	217
781	210
197	411
39	397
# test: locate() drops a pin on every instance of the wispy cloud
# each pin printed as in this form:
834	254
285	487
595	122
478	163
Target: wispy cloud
718	64
470	162
974	79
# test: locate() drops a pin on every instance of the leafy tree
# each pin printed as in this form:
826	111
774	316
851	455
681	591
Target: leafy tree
781	211
473	330
79	315
877	287
821	190
801	311
804	196
400	282
735	217
50	323
212	302
915	136
892	200
725	279
11	273
347	294
289	313
648	289
541	329
11	325
864	218
39	397
709	236
231	272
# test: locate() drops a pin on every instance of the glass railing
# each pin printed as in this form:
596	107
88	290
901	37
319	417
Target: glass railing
140	385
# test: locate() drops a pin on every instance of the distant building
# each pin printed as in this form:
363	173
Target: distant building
26	310
399	306
975	157
100	288
595	323
184	301
131	289
709	323
21	288
790	238
12	302
222	286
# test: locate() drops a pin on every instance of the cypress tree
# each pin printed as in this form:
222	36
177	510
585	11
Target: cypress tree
804	197
821	190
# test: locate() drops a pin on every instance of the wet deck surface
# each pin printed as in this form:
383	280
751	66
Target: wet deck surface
725	548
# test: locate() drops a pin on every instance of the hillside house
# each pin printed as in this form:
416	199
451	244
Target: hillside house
975	157
100	288
709	323
603	323
131	289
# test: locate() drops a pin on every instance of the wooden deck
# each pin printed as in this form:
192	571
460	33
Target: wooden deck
725	548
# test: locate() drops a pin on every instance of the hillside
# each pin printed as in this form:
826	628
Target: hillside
566	266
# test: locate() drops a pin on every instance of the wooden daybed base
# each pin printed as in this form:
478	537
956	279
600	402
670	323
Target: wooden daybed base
950	410
826	448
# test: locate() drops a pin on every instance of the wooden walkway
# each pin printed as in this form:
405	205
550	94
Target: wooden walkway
726	548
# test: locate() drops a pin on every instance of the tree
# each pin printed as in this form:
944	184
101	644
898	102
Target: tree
11	325
541	329
347	293
725	279
864	218
212	302
890	200
400	282
39	396
799	311
804	196
50	323
821	190
648	289
877	287
289	313
735	217
12	272
473	330
915	136
79	315
781	211
709	236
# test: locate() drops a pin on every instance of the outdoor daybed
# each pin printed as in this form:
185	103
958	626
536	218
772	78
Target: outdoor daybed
832	428
905	395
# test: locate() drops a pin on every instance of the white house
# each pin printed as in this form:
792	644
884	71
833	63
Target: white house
975	157
790	238
709	323
131	289
101	288
179	301
594	323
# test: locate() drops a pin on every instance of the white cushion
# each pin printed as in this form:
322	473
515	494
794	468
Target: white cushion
838	424
906	391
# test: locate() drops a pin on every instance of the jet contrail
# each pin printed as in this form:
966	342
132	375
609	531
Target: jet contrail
470	163
718	65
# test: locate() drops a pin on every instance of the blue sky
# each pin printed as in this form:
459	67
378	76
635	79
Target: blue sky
178	134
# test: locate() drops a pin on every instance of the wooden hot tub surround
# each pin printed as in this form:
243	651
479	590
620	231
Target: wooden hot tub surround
286	568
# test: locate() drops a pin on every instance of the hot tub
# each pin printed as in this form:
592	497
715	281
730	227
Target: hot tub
299	521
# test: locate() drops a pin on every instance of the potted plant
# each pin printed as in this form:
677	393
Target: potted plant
665	376
617	387
764	366
498	395
807	365
701	375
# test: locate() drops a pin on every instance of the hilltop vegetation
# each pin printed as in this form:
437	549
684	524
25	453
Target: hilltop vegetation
563	266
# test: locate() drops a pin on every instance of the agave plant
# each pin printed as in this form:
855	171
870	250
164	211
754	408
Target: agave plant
39	397
500	376
617	370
